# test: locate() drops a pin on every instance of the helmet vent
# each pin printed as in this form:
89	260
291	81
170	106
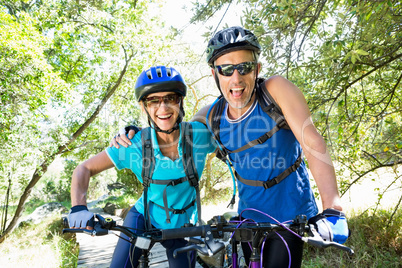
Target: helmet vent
220	38
159	72
149	74
168	72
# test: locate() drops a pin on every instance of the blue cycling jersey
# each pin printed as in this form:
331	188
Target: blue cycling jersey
179	196
283	201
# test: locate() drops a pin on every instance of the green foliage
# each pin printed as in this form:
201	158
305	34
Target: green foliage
376	244
58	60
130	181
123	201
58	189
65	244
40	245
216	185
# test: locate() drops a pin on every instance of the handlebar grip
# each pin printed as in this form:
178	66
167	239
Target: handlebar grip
183	232
71	230
98	230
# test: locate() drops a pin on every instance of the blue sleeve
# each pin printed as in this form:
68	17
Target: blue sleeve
117	156
130	157
203	138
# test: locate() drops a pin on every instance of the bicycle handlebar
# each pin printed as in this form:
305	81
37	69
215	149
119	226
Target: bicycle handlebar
215	228
185	232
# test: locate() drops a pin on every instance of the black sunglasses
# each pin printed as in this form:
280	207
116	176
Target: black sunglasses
155	102
243	68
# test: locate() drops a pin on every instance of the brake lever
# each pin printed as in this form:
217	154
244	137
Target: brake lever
205	250
317	241
202	250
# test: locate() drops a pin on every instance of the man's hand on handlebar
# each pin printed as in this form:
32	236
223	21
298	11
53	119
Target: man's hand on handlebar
332	225
124	136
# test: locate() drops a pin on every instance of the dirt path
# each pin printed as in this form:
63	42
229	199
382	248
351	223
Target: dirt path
97	252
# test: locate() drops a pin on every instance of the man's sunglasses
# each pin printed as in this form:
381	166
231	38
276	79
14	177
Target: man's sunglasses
243	68
155	102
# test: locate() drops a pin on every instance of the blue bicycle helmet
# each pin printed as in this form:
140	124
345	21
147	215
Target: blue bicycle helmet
231	39
159	79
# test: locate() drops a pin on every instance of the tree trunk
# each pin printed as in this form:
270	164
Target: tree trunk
39	172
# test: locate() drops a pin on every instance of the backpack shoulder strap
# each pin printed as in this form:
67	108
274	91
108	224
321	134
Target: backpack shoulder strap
148	159
188	162
148	165
269	105
215	121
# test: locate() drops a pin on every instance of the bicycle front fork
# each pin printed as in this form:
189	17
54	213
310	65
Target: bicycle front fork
143	261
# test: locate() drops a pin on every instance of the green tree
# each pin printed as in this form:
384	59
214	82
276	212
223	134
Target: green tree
66	71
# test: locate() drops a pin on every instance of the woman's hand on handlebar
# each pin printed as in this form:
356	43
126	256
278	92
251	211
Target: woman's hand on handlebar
80	218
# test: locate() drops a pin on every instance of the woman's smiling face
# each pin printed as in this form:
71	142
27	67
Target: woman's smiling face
163	108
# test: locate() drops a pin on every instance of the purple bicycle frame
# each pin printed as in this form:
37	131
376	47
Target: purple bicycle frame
253	264
235	263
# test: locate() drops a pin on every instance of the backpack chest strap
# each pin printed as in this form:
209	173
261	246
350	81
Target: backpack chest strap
177	211
269	183
258	141
165	200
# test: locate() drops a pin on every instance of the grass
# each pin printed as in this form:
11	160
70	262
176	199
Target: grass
375	245
39	245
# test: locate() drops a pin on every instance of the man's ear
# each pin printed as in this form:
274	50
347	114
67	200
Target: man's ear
215	76
258	68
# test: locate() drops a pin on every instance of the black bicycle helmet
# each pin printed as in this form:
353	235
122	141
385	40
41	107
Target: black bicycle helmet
231	39
159	79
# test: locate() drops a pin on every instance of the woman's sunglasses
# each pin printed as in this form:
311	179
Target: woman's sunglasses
243	68
155	102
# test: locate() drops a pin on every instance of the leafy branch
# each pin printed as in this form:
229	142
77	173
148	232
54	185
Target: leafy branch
41	170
